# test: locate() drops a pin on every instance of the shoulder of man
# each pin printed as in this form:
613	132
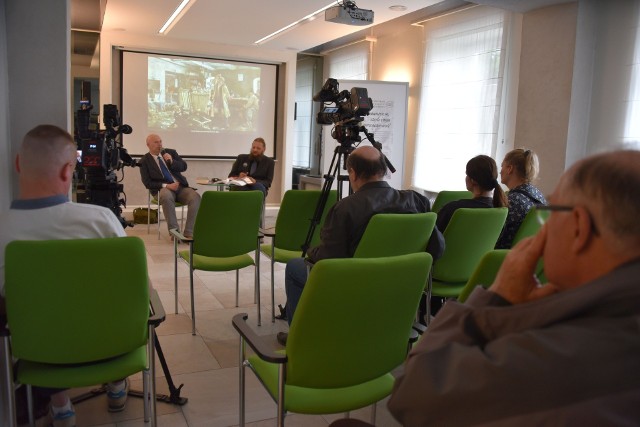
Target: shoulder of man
99	215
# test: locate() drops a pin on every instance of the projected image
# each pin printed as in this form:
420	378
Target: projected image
197	95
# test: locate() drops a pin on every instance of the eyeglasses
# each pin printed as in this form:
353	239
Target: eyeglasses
543	212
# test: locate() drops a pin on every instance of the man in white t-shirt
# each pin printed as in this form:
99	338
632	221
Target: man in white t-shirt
45	164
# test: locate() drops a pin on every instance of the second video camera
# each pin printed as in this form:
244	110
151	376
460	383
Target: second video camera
350	106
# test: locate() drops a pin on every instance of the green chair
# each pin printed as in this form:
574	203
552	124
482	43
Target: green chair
75	323
445	197
332	362
485	272
530	224
226	230
292	226
396	234
156	201
470	234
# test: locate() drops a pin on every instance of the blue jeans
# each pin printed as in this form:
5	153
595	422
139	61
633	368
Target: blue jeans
294	280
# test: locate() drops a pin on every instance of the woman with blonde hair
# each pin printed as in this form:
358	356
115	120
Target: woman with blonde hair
482	181
519	169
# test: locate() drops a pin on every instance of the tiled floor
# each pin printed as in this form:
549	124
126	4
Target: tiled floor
207	363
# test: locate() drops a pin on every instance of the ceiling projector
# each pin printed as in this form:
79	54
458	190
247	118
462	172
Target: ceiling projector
348	13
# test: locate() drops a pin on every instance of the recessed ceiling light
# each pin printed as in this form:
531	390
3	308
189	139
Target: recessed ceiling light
398	8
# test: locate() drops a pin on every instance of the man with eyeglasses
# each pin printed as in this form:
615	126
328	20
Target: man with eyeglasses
562	353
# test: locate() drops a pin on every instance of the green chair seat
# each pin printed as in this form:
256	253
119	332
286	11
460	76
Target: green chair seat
201	262
279	254
74	375
304	400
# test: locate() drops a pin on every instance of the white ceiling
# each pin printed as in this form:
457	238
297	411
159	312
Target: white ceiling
242	22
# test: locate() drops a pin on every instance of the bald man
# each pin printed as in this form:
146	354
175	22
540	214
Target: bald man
161	172
347	220
566	353
45	164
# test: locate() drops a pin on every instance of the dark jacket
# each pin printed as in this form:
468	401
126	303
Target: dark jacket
347	220
151	174
263	173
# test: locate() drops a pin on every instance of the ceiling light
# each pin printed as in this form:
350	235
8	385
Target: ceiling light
172	19
293	24
398	8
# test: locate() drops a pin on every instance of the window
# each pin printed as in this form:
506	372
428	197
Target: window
461	93
349	63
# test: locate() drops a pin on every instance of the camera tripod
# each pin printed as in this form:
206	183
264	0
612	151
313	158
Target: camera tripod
174	392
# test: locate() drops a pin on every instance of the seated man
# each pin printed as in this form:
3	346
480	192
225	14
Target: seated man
45	164
565	353
161	171
255	166
347	220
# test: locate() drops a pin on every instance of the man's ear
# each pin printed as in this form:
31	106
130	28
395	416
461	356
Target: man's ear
66	173
584	229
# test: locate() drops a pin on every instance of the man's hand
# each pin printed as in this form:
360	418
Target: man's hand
242	175
515	281
167	158
173	186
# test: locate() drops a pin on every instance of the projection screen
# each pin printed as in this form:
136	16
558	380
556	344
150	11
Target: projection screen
201	107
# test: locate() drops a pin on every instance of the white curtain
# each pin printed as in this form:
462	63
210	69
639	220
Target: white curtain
631	135
461	92
304	103
348	63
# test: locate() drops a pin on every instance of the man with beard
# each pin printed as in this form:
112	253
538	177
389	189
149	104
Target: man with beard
254	167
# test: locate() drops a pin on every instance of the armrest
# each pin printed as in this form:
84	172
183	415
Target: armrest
179	235
419	328
255	341
269	232
157	314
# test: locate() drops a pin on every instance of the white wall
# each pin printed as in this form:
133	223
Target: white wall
109	93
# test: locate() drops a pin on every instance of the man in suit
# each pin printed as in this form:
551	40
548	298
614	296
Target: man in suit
161	171
255	166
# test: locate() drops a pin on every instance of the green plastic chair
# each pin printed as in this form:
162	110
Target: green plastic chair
530	224
445	197
396	234
225	231
292	227
484	273
332	363
75	323
470	234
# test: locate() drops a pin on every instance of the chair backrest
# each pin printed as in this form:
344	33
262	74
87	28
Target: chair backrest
332	198
227	223
396	234
530	224
445	197
294	217
485	272
470	234
354	319
76	301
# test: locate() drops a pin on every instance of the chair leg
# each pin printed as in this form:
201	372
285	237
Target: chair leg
273	293
193	307
149	212
182	220
237	286
152	376
9	391
146	395
282	369
158	206
242	380
175	272
32	421
257	279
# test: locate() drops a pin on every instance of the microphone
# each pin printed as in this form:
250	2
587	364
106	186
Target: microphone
163	151
245	167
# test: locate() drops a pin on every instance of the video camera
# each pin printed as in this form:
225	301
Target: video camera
102	154
347	113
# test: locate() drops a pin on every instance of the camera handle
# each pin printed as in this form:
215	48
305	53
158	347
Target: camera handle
340	155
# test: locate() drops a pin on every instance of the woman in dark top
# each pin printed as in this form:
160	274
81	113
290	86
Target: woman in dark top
519	168
482	181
